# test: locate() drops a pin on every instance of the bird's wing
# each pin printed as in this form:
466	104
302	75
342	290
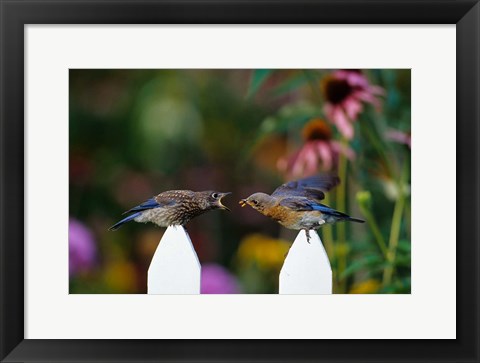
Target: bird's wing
305	205
296	204
155	202
312	187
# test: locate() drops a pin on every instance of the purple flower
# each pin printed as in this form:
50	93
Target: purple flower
82	249
218	280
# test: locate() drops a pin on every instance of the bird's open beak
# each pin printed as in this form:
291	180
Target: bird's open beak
220	201
243	202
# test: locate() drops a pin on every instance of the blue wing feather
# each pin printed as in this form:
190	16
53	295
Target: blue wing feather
312	187
303	204
149	204
335	213
323	208
306	205
124	220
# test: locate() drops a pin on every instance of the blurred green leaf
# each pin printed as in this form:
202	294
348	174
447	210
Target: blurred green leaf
290	85
404	246
259	76
366	261
289	117
313	78
398	286
364	246
403	261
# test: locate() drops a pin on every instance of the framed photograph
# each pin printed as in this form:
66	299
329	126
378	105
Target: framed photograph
239	181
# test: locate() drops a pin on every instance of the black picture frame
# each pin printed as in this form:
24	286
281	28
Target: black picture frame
15	14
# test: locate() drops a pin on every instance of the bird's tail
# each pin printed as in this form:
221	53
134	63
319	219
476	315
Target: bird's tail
123	221
351	219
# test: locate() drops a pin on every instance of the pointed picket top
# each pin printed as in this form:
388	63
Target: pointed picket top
306	269
175	268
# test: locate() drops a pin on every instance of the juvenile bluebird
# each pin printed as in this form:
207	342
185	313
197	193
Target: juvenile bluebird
296	204
174	207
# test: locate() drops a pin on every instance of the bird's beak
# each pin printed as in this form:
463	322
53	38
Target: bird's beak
243	202
222	195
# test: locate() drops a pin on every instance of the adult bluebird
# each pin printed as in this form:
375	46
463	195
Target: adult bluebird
296	204
174	207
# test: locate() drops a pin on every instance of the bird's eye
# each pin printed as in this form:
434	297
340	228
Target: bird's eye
214	195
254	202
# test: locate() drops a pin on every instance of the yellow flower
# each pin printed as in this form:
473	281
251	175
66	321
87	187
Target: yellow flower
121	276
370	286
268	253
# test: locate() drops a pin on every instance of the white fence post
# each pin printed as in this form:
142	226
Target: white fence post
175	268
306	269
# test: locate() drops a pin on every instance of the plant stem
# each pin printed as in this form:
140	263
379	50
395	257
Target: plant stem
327	234
395	230
314	86
341	232
372	222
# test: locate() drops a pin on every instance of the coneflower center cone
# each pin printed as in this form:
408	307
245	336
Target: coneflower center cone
316	129
336	90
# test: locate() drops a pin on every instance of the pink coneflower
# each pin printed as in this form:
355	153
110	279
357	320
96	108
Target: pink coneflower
318	152
345	92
